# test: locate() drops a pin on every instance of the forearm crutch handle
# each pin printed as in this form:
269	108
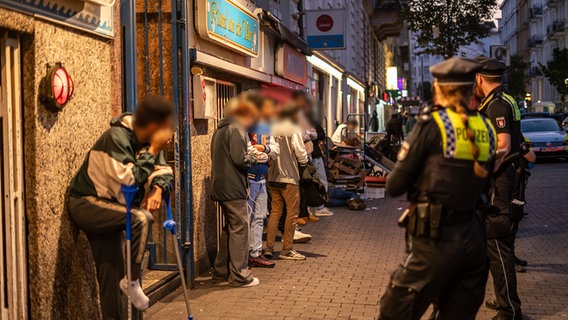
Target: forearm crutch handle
129	192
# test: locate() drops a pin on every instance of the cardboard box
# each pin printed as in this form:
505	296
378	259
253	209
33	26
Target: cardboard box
374	193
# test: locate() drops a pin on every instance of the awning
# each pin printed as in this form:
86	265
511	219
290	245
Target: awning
274	27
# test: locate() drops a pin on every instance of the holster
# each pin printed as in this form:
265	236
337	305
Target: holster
422	220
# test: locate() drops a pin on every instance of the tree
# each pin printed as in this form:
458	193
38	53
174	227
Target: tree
556	70
441	27
516	77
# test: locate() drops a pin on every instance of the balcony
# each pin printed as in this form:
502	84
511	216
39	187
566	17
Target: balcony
556	30
535	41
386	18
534	72
535	12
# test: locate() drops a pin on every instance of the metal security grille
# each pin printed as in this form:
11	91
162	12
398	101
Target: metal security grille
225	91
13	261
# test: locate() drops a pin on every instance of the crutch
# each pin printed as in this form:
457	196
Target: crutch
170	225
129	191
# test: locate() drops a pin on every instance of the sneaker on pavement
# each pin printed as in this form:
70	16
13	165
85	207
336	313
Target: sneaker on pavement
291	255
521	262
300	237
260	262
137	296
255	282
268	254
313	218
302	221
519	269
323	212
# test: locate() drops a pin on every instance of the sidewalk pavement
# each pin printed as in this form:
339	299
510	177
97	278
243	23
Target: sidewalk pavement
353	253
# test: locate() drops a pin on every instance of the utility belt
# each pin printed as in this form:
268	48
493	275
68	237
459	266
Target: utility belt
426	219
256	177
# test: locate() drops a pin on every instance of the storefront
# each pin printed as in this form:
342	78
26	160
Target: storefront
238	47
324	82
45	263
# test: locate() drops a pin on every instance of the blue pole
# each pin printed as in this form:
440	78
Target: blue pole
129	192
128	23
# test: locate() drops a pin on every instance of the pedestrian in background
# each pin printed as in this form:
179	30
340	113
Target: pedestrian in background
231	159
374	122
444	170
284	179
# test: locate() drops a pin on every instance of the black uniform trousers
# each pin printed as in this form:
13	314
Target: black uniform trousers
451	271
500	247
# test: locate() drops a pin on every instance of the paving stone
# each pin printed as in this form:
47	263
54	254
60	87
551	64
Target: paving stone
353	253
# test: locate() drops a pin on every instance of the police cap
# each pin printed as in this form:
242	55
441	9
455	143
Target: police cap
492	68
455	71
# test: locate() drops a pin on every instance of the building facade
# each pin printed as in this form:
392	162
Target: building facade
46	265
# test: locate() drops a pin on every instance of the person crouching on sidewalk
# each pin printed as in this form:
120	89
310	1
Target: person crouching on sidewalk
231	159
258	198
129	153
284	180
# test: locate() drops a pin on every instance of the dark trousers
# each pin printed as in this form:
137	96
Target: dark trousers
232	258
451	271
500	246
104	223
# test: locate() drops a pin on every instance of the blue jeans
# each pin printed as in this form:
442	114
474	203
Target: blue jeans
258	210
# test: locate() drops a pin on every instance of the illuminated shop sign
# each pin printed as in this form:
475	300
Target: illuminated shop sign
291	64
230	24
392	78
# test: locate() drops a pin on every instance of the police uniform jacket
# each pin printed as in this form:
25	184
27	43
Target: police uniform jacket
435	164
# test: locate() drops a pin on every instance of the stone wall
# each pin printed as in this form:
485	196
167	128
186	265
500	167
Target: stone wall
61	269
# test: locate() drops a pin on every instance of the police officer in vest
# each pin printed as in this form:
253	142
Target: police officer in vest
504	114
443	167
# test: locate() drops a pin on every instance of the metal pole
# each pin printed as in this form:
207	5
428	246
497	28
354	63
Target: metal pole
129	191
128	23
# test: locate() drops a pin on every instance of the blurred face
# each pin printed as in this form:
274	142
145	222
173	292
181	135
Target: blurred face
247	120
351	127
268	109
145	134
304	104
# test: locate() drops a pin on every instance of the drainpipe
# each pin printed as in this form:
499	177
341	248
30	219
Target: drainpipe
180	32
128	25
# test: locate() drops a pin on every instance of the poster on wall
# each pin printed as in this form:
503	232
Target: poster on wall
229	24
91	16
500	53
325	29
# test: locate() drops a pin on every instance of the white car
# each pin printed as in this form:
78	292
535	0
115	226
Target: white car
546	137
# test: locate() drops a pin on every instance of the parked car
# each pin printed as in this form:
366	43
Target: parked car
565	124
546	137
534	115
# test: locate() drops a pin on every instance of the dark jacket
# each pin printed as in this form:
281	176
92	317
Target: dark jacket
318	152
230	162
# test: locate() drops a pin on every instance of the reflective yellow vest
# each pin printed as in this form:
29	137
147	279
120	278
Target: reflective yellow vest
505	97
455	142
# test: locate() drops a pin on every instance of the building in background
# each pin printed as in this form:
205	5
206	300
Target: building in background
533	29
422	79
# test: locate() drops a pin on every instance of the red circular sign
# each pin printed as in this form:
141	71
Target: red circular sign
324	23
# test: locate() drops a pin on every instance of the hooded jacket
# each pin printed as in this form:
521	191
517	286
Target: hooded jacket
119	158
230	161
292	152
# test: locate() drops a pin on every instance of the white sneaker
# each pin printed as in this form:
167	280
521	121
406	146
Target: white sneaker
323	212
255	282
300	237
291	255
137	296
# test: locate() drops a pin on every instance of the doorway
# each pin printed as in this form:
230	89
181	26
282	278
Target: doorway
13	253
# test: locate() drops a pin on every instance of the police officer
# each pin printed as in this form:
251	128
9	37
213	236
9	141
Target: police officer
504	114
443	167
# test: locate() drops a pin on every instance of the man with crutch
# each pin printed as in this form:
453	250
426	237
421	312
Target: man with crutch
128	153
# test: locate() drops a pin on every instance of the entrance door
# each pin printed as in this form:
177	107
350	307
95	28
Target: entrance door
13	260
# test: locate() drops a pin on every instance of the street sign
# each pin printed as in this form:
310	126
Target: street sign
325	29
500	53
